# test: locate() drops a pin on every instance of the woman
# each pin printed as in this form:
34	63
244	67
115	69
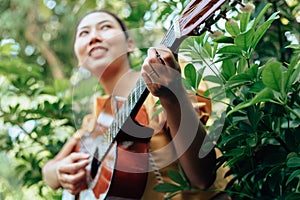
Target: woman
102	47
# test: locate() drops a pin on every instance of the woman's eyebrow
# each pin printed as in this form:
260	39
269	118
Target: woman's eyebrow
99	23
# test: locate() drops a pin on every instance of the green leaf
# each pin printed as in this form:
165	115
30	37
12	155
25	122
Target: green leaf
213	79
252	141
228	69
272	76
263	96
232	28
224	39
292	74
159	110
190	74
292	176
257	87
293	196
252	71
244	21
61	85
231	139
244	40
293	162
186	84
176	176
242	65
207	47
238	79
167	187
261	14
262	29
230	49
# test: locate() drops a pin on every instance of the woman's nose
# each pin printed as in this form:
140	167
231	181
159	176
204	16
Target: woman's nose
95	37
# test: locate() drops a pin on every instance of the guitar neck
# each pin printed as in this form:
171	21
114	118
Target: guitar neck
140	92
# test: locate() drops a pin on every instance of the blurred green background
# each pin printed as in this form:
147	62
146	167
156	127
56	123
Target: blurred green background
43	93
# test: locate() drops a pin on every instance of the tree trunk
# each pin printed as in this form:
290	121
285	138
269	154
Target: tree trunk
31	34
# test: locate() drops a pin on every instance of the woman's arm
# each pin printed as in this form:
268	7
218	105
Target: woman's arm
187	132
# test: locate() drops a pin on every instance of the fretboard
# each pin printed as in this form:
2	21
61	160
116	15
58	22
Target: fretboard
140	92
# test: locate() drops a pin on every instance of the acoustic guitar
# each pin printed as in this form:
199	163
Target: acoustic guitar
122	151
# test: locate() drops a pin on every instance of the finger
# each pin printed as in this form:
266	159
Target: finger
76	156
67	148
72	189
168	57
73	182
146	78
73	168
73	178
152	55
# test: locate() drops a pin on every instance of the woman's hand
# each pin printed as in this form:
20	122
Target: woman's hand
71	173
161	72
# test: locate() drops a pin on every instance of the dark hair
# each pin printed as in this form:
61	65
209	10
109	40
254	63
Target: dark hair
119	20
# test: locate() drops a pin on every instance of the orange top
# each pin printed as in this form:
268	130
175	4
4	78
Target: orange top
164	158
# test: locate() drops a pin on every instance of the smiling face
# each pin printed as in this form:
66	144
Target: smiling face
101	44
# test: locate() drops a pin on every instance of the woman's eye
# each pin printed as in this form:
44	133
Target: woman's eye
82	33
105	27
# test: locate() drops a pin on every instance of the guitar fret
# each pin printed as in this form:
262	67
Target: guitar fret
116	129
108	134
140	86
130	102
135	94
113	130
126	108
119	122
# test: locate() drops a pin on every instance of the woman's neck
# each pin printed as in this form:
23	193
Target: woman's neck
119	82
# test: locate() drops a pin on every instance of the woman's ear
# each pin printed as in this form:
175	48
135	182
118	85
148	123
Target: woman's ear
130	45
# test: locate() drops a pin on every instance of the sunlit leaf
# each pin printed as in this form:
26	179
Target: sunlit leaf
262	29
232	28
231	49
263	96
228	69
261	14
244	21
167	187
244	40
177	177
272	76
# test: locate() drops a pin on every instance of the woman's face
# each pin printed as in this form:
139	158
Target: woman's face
100	42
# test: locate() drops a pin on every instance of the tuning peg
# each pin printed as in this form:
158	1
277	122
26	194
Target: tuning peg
201	29
233	3
220	14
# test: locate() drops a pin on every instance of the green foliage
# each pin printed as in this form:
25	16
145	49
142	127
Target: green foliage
254	64
260	139
36	120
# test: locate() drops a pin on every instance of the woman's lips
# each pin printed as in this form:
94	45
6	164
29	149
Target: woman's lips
97	52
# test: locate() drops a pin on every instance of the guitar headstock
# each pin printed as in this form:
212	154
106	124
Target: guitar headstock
199	15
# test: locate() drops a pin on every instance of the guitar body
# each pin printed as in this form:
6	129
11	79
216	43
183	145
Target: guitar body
123	173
